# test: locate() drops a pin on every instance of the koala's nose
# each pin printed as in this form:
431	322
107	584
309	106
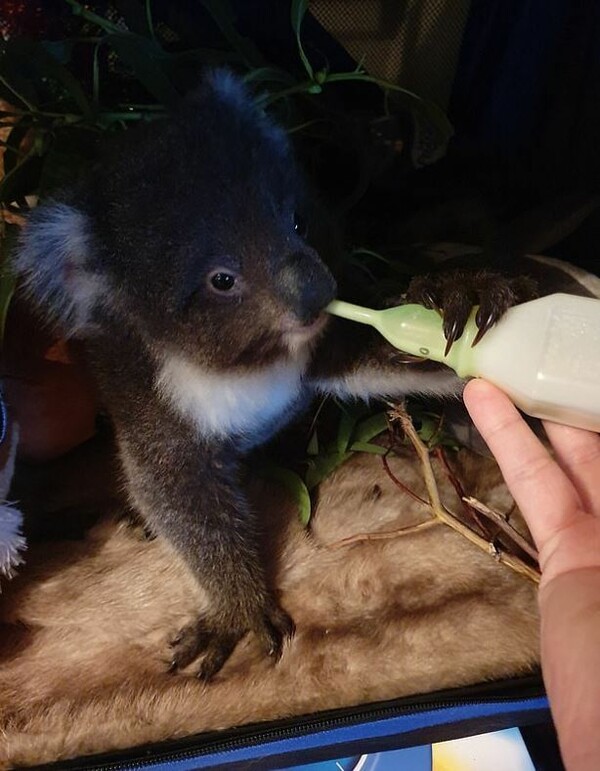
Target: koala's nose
306	285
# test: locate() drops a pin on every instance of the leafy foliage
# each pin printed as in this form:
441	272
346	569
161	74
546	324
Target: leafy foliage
356	428
81	83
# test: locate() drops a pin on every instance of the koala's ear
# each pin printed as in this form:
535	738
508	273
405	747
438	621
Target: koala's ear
55	259
223	87
230	89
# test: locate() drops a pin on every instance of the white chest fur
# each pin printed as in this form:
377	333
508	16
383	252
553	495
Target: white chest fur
223	405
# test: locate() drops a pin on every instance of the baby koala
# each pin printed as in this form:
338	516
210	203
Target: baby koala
181	263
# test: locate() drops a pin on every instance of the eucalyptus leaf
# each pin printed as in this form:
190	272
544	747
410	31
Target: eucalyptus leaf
322	466
294	484
313	444
224	17
408	99
39	61
147	61
135	16
371	427
204	56
374	449
80	10
344	432
269	75
16	81
298	12
61	50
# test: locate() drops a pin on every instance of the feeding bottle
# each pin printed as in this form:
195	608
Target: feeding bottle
544	354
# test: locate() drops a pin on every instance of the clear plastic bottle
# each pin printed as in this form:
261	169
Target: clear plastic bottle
544	354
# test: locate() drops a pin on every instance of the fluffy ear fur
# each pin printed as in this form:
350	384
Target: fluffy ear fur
55	258
11	520
223	87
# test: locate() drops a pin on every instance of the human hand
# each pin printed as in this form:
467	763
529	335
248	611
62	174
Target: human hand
560	500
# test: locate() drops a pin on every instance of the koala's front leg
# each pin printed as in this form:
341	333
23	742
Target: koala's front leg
355	361
455	292
189	493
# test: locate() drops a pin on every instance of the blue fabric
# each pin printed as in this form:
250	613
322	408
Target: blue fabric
388	727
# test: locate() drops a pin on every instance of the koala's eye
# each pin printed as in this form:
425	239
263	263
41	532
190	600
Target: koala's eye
300	224
222	281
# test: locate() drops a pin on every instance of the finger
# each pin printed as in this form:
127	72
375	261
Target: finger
578	453
543	492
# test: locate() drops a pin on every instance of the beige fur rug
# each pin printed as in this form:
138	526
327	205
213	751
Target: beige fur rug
83	659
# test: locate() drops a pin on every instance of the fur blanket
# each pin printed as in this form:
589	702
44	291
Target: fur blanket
85	626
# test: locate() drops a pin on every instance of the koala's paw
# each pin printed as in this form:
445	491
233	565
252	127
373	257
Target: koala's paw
215	639
455	293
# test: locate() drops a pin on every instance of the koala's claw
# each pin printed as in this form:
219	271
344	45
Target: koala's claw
277	628
454	324
454	294
485	320
215	644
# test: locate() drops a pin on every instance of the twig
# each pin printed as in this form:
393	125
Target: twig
384	535
7	84
444	515
460	491
400	484
503	524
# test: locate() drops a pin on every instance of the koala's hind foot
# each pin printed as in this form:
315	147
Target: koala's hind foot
455	293
215	640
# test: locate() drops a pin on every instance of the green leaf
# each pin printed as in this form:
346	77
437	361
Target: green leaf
204	56
344	432
294	485
35	60
298	12
79	10
136	17
15	78
224	17
147	61
320	468
313	444
413	102
374	449
96	75
429	428
371	427
269	75
61	50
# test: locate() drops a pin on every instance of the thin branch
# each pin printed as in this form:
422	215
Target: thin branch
460	491
447	517
19	96
400	484
149	20
504	525
384	535
108	26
